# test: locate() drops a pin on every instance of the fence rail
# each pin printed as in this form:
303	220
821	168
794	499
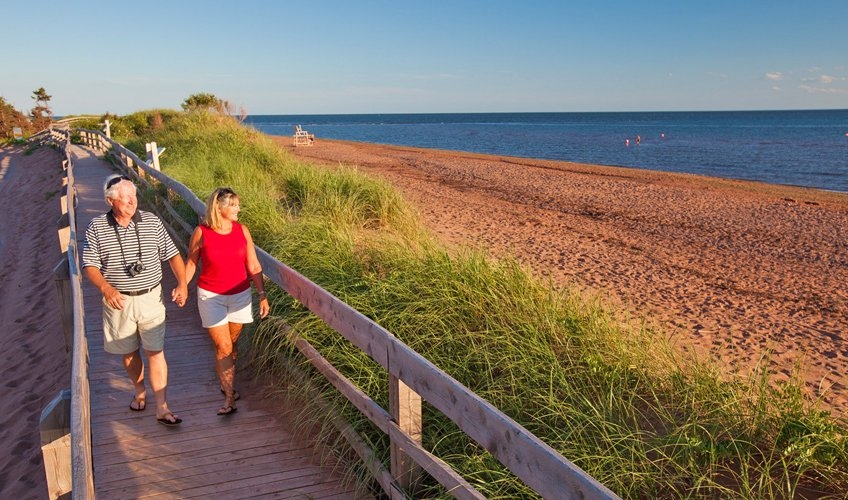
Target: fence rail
411	376
69	283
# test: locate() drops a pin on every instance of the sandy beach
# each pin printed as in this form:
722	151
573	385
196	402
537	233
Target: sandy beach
34	367
735	270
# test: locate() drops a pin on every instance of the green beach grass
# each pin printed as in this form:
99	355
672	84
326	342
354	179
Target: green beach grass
637	414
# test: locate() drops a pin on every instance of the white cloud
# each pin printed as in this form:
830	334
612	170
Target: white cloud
774	76
776	88
825	79
820	90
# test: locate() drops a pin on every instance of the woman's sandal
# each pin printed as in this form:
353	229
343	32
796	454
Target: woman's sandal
227	410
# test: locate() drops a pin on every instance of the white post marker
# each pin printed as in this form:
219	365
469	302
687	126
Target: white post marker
153	154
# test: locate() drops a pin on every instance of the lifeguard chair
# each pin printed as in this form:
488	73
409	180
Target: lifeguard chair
302	137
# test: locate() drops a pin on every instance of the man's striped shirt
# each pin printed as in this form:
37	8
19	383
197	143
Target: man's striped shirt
111	248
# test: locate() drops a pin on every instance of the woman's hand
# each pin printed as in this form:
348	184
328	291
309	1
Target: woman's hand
264	307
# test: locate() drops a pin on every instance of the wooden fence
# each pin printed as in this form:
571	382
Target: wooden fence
411	378
66	422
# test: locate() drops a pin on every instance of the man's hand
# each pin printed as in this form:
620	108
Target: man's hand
113	297
179	295
110	294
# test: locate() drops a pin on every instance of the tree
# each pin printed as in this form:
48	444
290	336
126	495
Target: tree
11	118
209	102
41	114
202	101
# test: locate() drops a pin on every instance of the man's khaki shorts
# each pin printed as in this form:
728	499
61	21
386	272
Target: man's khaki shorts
142	318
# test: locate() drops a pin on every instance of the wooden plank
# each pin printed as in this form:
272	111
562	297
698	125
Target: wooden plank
180	466
81	461
251	483
353	325
405	408
62	280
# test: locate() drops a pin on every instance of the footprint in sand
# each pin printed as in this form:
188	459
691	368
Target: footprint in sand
21	448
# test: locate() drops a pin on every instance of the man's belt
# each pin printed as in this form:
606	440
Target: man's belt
136	293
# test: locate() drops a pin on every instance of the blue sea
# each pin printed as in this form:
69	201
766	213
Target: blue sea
800	148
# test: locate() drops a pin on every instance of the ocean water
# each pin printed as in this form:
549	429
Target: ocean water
800	148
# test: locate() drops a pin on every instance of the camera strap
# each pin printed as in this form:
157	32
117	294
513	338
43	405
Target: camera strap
115	225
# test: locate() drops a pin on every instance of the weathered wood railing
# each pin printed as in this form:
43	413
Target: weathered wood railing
74	473
411	376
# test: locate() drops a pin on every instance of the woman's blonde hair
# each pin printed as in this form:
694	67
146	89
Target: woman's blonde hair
223	197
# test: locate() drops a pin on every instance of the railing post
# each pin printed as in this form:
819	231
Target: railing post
108	124
55	427
62	280
62	272
153	154
405	409
128	161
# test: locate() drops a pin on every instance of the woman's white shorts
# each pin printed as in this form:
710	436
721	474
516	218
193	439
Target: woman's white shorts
217	310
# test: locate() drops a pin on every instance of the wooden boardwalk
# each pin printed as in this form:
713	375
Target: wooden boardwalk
250	454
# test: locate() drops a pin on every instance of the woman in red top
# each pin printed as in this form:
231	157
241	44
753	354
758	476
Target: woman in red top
227	257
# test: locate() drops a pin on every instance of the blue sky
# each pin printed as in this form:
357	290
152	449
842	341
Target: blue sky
398	56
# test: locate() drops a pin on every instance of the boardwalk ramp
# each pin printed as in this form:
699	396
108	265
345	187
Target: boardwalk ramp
250	454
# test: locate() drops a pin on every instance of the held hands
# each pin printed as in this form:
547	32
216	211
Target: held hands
179	295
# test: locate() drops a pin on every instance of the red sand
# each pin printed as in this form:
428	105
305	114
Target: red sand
736	269
34	367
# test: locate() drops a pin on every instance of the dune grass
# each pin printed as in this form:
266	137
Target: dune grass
641	416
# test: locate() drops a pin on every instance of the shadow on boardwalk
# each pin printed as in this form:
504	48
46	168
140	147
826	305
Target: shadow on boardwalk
249	454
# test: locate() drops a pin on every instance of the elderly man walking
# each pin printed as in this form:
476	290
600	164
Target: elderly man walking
122	257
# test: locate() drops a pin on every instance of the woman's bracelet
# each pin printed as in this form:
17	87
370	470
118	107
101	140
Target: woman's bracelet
262	294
